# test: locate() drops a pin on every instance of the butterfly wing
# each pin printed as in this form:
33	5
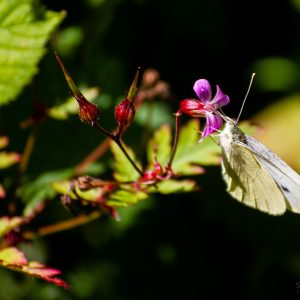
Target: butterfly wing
249	181
286	178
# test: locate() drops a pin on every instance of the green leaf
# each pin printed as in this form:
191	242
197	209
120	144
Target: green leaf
176	186
161	141
40	189
12	256
24	31
124	171
8	158
124	198
153	114
191	154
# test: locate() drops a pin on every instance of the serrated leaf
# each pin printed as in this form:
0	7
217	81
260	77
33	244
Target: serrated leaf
175	186
40	189
15	259
190	154
124	171
24	30
8	158
160	143
124	198
70	106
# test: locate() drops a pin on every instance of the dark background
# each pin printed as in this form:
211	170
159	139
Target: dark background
201	245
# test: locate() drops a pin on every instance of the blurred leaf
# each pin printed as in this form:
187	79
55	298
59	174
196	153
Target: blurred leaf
124	198
3	141
68	39
24	30
175	186
7	224
191	154
12	256
124	171
14	259
276	73
280	124
8	158
70	107
153	114
40	189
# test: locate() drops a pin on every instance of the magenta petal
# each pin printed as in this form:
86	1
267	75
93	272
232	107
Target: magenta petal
203	90
213	123
220	99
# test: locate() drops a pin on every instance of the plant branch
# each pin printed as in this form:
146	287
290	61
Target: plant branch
175	143
62	226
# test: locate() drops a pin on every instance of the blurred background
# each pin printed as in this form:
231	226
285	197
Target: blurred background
187	246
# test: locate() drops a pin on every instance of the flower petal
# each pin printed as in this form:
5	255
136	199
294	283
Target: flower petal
220	99
213	123
192	107
203	90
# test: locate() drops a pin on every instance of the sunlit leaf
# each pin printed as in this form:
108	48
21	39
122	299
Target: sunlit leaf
12	256
175	186
24	29
124	171
8	158
15	259
160	142
124	198
280	129
7	224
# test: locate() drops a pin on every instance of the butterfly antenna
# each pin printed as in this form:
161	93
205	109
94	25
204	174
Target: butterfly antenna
249	87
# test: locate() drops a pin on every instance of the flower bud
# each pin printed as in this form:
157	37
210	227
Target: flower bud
125	111
192	108
88	112
124	114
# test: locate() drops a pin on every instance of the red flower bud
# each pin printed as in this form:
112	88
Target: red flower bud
88	112
124	114
125	111
192	108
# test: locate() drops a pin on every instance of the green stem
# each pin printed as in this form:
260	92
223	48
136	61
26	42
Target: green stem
175	143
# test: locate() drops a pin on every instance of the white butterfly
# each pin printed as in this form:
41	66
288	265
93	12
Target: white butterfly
255	175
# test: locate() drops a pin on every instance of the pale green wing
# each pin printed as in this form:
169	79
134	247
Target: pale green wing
250	183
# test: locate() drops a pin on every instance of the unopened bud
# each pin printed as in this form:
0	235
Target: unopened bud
124	114
88	112
125	111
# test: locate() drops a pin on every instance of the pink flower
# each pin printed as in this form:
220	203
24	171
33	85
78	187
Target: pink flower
205	106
